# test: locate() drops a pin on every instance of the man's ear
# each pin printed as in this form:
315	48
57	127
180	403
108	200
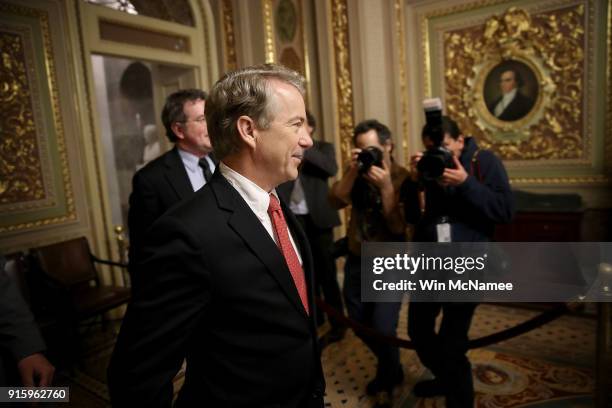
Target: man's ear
246	130
178	130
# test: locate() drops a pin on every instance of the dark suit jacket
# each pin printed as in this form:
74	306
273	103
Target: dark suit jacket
218	293
319	165
159	185
19	334
519	107
155	188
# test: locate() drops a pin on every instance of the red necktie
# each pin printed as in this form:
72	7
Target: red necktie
284	243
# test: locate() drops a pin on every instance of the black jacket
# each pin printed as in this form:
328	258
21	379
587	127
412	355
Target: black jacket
155	188
218	293
473	208
19	334
319	165
518	108
159	185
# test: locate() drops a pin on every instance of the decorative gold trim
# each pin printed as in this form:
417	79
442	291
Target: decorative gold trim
515	38
268	20
24	148
426	56
425	32
583	127
344	84
57	118
608	127
401	42
305	56
579	180
229	36
589	80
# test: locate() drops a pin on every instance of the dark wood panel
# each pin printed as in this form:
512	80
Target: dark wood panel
541	226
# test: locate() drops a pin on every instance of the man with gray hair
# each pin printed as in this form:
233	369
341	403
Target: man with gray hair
229	284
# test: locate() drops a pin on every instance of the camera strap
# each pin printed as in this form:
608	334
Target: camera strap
443	229
475	166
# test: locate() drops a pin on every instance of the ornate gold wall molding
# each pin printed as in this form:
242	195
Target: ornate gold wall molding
608	129
562	181
21	172
62	209
569	76
444	11
229	36
400	33
344	84
549	45
307	73
270	54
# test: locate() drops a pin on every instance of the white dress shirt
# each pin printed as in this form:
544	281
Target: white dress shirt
257	199
505	101
194	171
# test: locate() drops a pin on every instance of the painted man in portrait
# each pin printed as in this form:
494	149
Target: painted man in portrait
512	104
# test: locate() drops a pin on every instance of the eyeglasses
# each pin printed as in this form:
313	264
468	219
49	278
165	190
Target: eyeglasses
198	120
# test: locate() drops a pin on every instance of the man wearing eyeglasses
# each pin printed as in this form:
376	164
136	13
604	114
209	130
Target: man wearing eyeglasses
175	175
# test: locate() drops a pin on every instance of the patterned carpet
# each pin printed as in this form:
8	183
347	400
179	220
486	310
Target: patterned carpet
549	367
552	366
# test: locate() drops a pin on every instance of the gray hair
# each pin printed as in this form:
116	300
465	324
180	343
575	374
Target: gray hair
243	92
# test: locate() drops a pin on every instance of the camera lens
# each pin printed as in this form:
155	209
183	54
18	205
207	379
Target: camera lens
431	166
368	157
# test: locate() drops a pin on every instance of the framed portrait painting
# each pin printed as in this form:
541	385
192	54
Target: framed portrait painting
510	90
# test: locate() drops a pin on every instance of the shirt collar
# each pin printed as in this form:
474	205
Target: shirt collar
257	198
508	97
190	160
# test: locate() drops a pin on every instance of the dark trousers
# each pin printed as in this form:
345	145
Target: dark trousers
381	316
321	242
444	353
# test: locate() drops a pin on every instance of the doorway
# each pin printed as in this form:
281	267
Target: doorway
129	96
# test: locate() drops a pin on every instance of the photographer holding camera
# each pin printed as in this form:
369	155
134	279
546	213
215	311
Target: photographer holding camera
371	185
458	193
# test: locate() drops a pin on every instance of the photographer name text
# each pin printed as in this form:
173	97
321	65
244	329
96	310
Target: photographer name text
435	285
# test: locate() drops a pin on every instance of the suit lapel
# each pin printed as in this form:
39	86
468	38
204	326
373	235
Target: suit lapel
176	175
244	222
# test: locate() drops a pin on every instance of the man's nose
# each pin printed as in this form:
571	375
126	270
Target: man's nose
305	139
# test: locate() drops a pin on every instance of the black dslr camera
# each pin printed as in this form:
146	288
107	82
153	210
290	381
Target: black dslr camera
368	157
364	195
436	158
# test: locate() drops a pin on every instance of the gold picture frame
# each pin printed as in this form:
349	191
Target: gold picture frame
564	43
540	95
